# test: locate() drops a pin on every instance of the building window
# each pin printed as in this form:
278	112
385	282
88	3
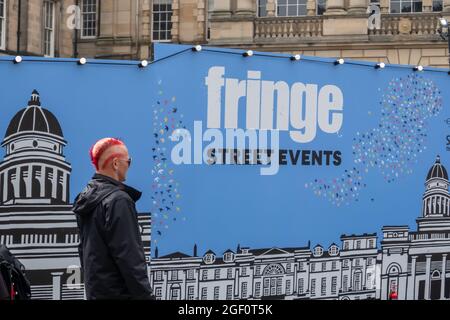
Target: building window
89	18
258	270
258	289
266	287
375	2
371	244
204	293
175	293
217	274
358	244
190	274
291	8
357	262
279	286
313	287
162	24
244	271
49	28
216	293
345	263
230	273
158	275
324	266
323	287
346	245
174	275
262	11
288	268
288	286
406	6
357	283
2	24
313	267
334	265
301	266
205	275
318	251
191	293
244	290
228	257
345	283
369	281
333	250
209	258
210	4
301	285
333	285
229	292
321	6
437	5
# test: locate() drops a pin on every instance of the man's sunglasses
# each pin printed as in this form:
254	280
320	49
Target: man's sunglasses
127	160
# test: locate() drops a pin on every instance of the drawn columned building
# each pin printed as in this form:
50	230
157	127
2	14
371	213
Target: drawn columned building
414	264
36	221
271	273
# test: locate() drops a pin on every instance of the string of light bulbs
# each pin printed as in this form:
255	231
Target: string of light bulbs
246	54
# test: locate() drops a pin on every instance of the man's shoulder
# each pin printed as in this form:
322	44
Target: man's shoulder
118	195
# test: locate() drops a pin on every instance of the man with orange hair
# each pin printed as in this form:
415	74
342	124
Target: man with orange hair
111	252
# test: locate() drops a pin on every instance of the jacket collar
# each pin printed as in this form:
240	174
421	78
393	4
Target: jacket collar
132	192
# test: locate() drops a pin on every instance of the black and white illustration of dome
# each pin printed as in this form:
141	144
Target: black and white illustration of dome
437	170
34	169
34	119
436	199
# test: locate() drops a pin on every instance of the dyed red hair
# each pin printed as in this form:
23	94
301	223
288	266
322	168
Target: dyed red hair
100	147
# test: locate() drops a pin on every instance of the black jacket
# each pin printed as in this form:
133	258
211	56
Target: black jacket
111	252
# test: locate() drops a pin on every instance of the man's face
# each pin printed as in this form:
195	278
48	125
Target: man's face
122	163
115	162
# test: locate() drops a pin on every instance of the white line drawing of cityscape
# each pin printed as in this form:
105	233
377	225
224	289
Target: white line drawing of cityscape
37	224
410	264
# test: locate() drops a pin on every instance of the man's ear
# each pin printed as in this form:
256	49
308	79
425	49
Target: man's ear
115	163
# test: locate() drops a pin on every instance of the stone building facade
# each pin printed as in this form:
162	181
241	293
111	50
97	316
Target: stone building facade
395	31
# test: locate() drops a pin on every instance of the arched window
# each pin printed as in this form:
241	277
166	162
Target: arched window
436	274
273	269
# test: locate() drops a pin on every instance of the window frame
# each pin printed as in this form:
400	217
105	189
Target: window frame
97	10
323	286
258	8
168	22
51	29
3	19
405	1
287	5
